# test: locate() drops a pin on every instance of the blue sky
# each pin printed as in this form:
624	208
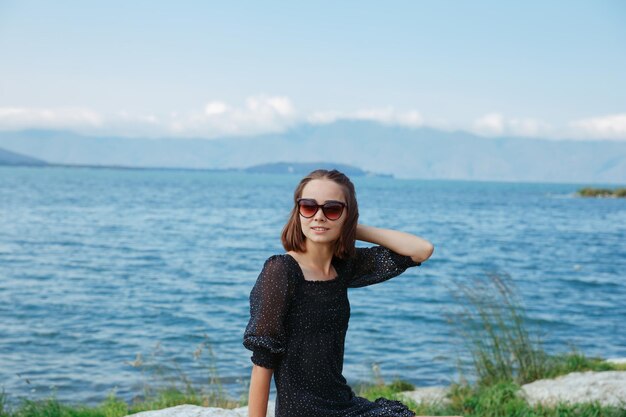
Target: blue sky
528	68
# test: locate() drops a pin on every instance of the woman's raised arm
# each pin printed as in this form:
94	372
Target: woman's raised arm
402	243
393	253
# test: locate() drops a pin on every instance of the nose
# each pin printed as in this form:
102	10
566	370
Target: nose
319	215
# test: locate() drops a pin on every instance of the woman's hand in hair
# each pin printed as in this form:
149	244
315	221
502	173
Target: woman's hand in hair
419	249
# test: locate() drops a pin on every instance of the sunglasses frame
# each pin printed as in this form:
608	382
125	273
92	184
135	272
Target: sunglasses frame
321	206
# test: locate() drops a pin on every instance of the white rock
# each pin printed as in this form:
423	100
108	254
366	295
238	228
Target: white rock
188	410
431	395
608	388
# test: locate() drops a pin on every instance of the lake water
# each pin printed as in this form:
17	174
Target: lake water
100	265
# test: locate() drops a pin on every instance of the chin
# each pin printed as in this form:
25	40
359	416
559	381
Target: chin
329	239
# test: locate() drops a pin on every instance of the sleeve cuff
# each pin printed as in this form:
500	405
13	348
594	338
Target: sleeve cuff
265	359
405	261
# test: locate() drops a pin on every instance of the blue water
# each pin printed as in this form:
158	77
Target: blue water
100	265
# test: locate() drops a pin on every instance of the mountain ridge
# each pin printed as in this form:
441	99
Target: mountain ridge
403	152
14	158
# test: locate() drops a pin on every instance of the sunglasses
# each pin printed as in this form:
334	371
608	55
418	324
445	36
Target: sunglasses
331	209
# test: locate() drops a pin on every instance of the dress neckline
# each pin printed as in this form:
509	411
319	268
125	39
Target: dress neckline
314	281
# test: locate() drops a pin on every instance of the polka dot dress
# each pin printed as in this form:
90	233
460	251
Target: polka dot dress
297	328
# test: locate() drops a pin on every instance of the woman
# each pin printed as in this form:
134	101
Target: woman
299	308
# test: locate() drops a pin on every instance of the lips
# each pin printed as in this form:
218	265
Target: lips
319	228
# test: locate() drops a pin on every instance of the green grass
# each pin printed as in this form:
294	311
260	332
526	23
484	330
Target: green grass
493	325
490	321
601	192
499	399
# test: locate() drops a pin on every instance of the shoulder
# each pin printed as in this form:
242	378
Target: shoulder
278	265
277	257
275	261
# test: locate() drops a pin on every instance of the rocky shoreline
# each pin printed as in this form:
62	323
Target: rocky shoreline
607	387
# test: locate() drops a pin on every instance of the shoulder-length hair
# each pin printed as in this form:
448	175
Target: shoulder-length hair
292	236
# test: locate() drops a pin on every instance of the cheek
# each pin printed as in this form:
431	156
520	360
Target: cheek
339	228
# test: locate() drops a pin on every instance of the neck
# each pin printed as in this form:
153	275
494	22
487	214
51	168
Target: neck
319	255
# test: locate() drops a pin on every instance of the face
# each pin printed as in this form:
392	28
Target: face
322	191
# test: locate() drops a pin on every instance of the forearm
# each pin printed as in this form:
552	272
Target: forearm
396	240
259	391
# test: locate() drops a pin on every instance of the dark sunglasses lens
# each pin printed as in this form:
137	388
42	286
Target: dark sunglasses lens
307	209
333	211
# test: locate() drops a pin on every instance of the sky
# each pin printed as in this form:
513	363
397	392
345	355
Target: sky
549	69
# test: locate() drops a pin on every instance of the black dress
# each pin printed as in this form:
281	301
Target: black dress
297	328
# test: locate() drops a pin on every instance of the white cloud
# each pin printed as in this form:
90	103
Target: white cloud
324	117
387	115
259	114
495	124
410	118
269	106
612	126
265	114
609	127
214	108
14	118
492	123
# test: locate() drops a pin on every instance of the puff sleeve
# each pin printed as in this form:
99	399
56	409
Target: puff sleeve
376	264
266	335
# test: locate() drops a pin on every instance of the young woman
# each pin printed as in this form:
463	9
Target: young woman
299	308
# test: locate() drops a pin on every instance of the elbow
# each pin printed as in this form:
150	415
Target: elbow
431	249
424	253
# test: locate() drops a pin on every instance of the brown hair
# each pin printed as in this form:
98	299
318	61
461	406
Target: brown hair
292	236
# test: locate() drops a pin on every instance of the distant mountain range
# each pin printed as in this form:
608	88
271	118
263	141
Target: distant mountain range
391	150
281	168
13	158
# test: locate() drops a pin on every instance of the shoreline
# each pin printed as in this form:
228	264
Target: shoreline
601	390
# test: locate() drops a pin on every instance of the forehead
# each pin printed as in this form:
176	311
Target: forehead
322	190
